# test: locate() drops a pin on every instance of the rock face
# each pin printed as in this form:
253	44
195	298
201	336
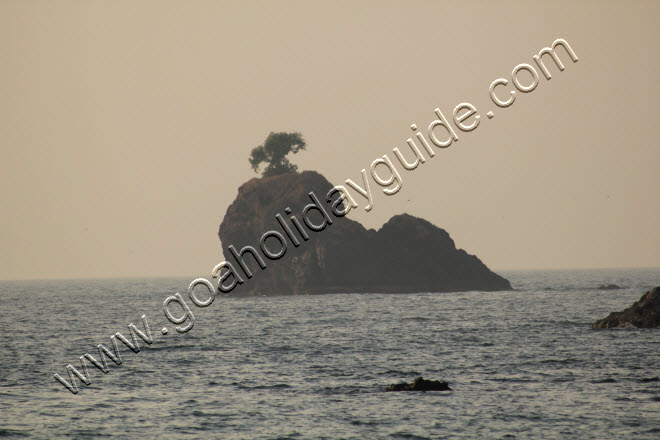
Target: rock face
407	254
644	313
420	384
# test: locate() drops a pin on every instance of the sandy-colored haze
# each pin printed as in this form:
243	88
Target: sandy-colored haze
126	126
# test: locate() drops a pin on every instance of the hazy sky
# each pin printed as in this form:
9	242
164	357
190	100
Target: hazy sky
126	126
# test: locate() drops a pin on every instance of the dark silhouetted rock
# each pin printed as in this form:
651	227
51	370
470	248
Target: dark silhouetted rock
420	384
644	313
407	254
608	287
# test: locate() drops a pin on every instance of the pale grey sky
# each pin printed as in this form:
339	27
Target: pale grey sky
126	126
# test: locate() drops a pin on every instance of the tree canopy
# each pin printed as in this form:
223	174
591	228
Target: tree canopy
274	151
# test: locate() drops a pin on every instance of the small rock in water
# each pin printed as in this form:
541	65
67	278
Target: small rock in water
644	313
609	287
420	384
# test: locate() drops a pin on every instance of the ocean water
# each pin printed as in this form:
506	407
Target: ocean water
522	364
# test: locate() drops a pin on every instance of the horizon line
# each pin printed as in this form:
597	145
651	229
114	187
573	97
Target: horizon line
192	277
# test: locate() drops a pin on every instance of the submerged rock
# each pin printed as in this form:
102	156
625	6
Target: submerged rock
337	254
644	313
420	384
609	287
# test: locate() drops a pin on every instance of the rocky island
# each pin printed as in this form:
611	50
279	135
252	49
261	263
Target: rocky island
296	215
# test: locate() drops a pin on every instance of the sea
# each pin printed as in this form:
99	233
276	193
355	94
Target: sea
521	364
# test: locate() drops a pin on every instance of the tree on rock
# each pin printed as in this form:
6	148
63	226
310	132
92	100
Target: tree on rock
274	151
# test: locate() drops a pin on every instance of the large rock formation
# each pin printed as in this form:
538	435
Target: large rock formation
644	313
407	254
